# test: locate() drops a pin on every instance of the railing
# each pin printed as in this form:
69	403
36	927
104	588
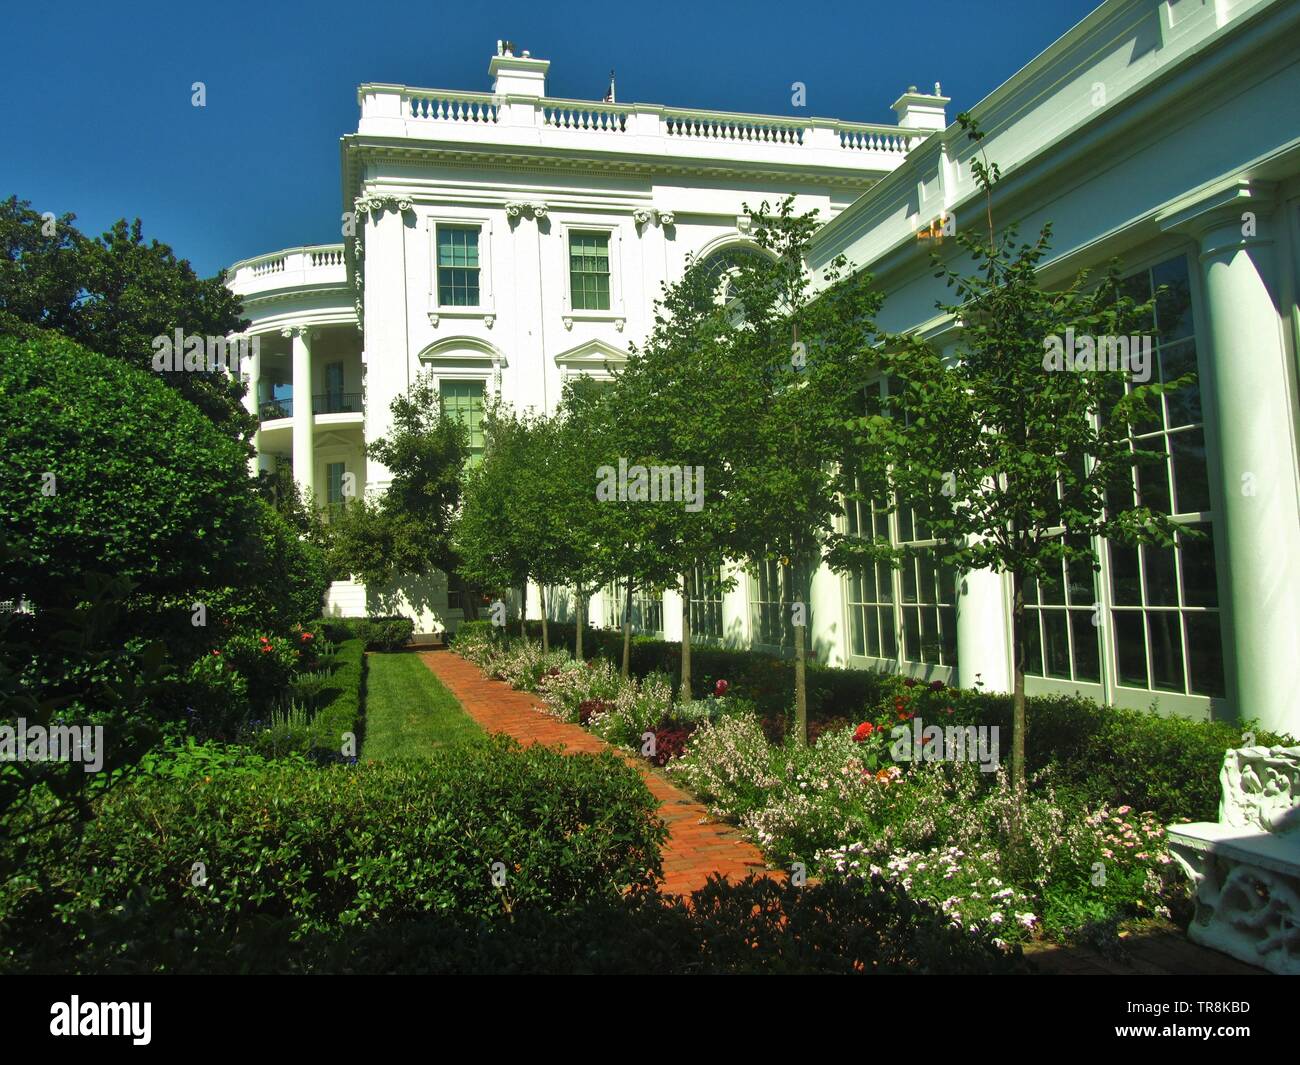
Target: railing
398	110
569	114
450	106
709	126
271	409
336	403
318	264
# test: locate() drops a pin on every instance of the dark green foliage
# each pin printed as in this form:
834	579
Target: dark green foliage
337	848
115	293
143	485
376	632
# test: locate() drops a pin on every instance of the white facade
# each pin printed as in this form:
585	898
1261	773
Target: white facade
1147	131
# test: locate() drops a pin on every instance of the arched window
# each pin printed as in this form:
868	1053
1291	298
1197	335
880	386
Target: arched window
721	266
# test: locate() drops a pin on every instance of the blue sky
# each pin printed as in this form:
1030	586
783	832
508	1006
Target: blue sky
97	118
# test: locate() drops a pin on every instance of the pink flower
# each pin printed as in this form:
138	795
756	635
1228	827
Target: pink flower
720	688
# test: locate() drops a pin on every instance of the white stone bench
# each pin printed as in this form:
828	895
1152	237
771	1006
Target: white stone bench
1245	867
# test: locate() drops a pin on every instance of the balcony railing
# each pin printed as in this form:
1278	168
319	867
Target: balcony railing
398	110
316	265
270	409
336	403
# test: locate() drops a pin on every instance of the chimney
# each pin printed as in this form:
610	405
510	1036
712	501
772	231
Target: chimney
517	75
921	111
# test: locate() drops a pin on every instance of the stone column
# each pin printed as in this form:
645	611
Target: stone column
252	347
1249	394
304	449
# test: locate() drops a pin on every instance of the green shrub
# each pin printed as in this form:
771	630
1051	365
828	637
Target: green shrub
313	852
378	633
324	734
144	487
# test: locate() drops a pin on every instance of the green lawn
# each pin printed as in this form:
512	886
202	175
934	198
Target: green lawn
409	712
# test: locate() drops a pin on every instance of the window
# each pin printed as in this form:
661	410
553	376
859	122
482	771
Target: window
647	614
458	266
917	602
1164	604
589	271
463	400
771	616
334	481
706	603
1164	601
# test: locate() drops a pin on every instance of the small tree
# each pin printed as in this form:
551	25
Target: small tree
1009	462
409	529
796	361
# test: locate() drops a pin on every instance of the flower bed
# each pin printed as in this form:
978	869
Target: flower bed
846	808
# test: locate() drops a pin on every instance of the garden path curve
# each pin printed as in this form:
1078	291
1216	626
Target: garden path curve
697	844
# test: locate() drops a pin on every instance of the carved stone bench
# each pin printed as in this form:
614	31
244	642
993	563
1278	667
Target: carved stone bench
1245	867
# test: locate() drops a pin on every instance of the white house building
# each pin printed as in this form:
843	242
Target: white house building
505	241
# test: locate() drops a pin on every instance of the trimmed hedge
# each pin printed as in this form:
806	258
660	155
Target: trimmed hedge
378	633
295	853
341	714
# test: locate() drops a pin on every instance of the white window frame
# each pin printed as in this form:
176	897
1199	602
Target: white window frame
614	232
486	293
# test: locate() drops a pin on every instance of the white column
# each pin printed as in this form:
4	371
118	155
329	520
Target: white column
304	450
983	632
1250	413
253	374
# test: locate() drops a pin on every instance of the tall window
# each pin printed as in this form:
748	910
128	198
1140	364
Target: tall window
706	603
647	613
458	266
770	605
1165	606
1062	635
463	400
334	480
908	613
589	271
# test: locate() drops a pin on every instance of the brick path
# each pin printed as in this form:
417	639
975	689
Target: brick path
697	845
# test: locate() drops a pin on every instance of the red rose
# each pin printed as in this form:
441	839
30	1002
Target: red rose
720	688
863	731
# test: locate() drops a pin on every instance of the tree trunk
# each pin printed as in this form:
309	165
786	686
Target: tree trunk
627	631
684	692
546	636
1018	685
580	614
800	606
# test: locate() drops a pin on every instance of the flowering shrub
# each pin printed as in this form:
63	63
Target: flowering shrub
729	765
267	663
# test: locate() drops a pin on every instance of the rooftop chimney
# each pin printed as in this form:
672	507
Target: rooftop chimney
922	111
517	75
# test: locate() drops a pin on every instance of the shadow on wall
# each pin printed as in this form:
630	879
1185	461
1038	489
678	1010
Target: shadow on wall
423	599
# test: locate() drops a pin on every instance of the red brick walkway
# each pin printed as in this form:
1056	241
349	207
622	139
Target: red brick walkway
697	845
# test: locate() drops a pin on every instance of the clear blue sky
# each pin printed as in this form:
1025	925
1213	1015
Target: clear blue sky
97	119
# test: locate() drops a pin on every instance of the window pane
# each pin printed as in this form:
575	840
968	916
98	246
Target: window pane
911	634
1126	589
1033	644
1087	656
1197	558
1183	405
1174	306
929	635
1162	580
1191	483
1166	650
1153	476
1205	654
855	622
1130	647
1056	644
948	634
